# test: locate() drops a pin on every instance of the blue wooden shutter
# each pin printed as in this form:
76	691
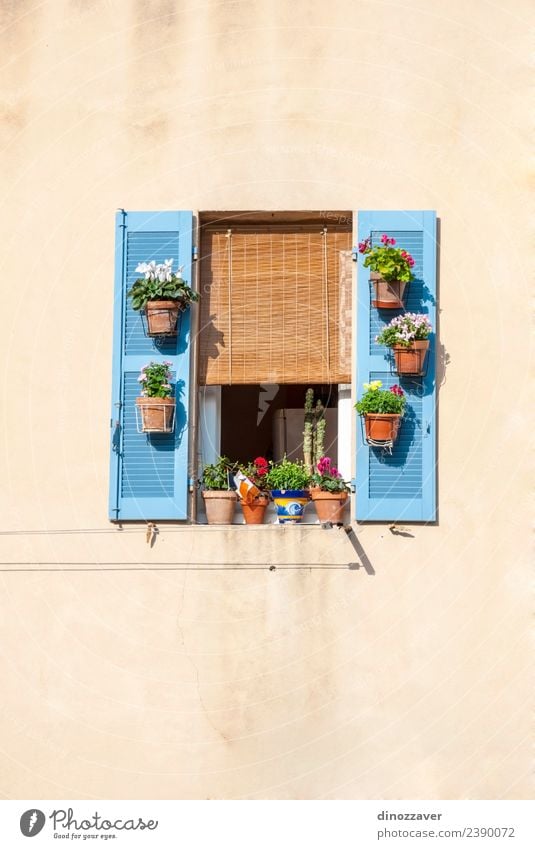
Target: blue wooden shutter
148	474
400	486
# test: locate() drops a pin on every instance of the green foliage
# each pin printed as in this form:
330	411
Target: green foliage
327	477
160	283
287	475
327	483
150	290
154	380
377	400
216	475
390	262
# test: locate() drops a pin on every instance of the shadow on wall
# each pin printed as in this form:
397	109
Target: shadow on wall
171	441
355	542
216	338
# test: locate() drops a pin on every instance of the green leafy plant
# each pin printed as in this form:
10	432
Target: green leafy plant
217	475
405	329
377	400
390	262
327	477
155	380
160	283
287	475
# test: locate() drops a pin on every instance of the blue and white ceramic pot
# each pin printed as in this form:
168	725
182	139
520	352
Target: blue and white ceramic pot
290	504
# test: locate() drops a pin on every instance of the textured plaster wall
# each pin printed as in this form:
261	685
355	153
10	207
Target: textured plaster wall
409	682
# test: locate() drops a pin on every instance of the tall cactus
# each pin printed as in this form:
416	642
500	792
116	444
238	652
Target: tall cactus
308	431
321	425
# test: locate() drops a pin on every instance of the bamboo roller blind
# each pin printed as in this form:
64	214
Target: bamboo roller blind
275	307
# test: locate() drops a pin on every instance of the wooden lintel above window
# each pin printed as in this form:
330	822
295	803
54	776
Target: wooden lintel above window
332	219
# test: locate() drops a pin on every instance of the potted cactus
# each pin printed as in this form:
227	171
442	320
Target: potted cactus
391	271
288	482
162	295
328	491
382	410
407	335
219	499
155	404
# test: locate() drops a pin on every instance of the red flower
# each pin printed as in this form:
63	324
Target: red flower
261	466
397	390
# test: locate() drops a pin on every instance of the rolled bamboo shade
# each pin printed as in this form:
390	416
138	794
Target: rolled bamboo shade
275	306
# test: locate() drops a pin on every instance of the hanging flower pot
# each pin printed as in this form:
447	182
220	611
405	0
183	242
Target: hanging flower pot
389	295
155	406
382	410
411	359
390	271
381	427
254	511
407	336
157	414
162	317
162	294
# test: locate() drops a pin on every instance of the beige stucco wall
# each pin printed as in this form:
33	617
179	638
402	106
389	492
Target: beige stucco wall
334	682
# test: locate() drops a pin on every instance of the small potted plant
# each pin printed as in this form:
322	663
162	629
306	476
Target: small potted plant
162	294
407	336
328	491
254	507
155	404
288	482
391	270
382	410
219	499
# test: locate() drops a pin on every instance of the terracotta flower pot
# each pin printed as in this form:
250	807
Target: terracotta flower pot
157	414
254	511
162	317
329	505
411	360
220	506
290	505
382	427
388	296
